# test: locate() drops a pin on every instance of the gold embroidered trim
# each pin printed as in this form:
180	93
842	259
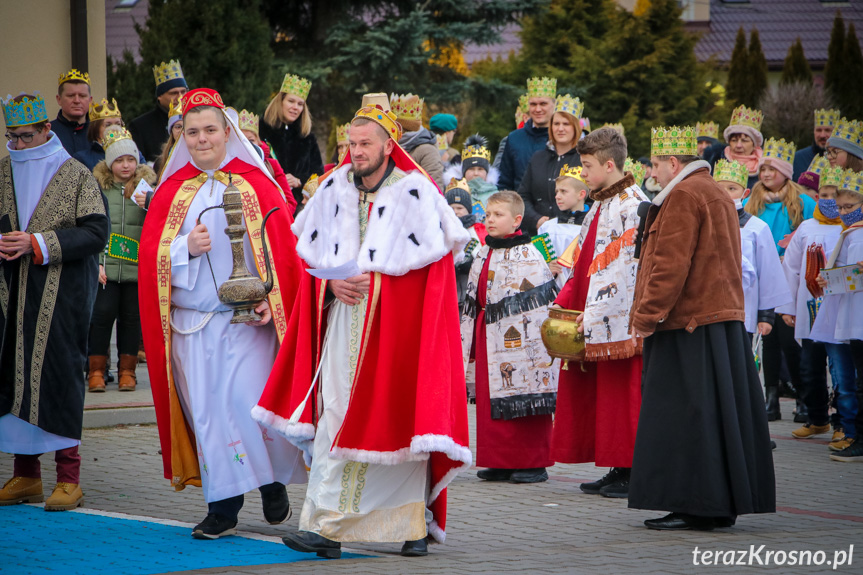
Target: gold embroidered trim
59	208
43	331
55	250
353	483
404	523
19	347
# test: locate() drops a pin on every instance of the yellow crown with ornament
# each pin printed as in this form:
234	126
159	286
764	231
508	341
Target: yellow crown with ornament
707	130
569	105
296	85
818	165
455	184
673	141
384	118
407	106
637	170
476	151
311	186
731	171
104	109
617	127
779	150
442	143
114	135
30	110
573	172
343	133
524	103
542	87
249	121
825	117
74	75
831	176
852	181
743	116
849	130
166	71
176	108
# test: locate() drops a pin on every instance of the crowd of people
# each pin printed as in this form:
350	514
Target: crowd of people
405	278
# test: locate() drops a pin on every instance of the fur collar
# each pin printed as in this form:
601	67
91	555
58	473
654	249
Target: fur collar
684	173
105	177
612	190
510	242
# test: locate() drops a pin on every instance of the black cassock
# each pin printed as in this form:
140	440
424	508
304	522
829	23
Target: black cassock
703	444
45	309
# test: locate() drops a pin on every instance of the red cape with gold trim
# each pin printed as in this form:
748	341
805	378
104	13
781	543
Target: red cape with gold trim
179	454
408	400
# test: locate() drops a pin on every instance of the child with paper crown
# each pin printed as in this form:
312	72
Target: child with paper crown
118	175
812	245
570	192
508	290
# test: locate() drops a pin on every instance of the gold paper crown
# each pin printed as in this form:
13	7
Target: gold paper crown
167	71
852	181
731	171
476	152
818	165
442	144
311	186
296	85
524	103
707	130
779	150
673	141
570	105
849	130
249	121
637	170
176	108
30	110
114	135
825	117
743	116
831	176
542	87
342	133
384	118
457	184
617	127
407	106
574	173
74	75
104	109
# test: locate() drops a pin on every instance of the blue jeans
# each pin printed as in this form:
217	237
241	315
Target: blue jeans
842	372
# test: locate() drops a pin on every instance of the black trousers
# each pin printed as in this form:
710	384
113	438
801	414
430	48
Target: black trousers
813	391
781	341
115	302
230	507
857	355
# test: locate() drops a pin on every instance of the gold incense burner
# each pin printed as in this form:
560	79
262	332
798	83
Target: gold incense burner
560	336
242	291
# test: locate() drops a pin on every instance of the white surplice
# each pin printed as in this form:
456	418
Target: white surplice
348	501
220	369
767	288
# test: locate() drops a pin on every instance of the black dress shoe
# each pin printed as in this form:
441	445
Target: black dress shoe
772	403
213	527
619	489
417	548
680	522
594	487
801	414
308	542
720	522
772	445
535	475
494	474
277	508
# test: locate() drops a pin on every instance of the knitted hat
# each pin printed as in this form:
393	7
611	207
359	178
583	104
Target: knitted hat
457	192
118	142
810	180
475	153
440	123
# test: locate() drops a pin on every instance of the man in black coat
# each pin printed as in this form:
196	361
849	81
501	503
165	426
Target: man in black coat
150	130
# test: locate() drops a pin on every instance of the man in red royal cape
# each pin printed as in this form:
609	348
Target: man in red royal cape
370	382
207	373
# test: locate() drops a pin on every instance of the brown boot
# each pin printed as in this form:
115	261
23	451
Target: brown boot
66	497
96	377
126	372
21	490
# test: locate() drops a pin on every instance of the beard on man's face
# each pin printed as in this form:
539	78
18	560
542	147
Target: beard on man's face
374	164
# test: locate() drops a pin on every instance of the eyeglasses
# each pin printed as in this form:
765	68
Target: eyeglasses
26	138
848	207
832	153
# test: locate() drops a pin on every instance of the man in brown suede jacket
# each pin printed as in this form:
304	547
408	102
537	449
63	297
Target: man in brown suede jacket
702	450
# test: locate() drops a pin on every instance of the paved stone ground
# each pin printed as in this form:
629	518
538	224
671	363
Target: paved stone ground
500	528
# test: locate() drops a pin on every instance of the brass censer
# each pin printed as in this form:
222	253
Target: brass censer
561	338
242	291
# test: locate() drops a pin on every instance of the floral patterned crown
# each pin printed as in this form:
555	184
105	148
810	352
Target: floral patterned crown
637	170
743	116
852	181
343	132
831	176
296	85
407	106
707	130
249	121
779	150
673	141
825	117
849	130
542	87
30	110
731	171
570	105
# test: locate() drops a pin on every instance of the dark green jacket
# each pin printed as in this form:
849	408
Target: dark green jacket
127	219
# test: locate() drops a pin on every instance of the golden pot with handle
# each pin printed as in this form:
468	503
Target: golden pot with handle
560	336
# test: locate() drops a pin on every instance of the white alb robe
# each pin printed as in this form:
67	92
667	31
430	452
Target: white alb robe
767	288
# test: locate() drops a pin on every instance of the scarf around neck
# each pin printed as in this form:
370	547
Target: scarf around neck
751	161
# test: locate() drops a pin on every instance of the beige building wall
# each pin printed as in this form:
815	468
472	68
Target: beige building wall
36	48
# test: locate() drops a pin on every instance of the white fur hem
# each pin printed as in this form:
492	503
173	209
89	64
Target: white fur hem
436	533
300	434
